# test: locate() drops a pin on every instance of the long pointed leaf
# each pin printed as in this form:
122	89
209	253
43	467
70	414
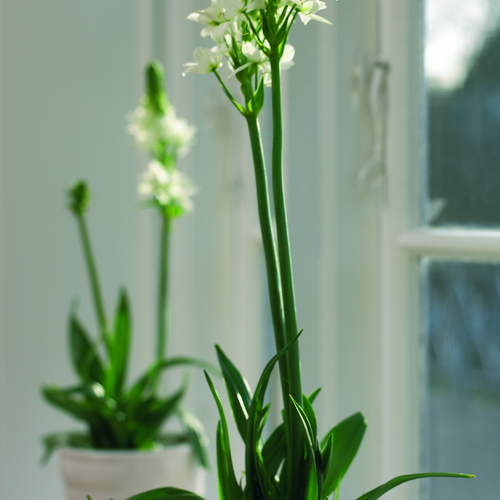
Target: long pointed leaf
238	391
274	450
121	344
311	415
143	386
384	488
253	436
196	435
314	486
313	395
224	479
67	402
84	353
267	484
347	437
153	413
230	481
326	456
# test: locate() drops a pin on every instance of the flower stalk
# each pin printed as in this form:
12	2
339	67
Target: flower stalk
270	255
295	430
78	203
159	131
93	276
163	289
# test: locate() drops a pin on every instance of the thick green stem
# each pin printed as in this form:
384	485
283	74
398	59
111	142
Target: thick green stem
93	277
161	350
273	279
285	262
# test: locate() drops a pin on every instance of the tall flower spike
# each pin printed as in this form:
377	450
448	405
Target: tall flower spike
155	124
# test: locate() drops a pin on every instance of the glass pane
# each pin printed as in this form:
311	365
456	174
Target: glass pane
462	67
462	323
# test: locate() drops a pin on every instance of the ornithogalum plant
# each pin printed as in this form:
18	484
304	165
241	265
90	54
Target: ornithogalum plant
118	416
292	463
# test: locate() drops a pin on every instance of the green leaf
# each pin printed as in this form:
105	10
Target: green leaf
254	415
223	476
238	391
227	480
381	490
196	435
326	456
166	494
313	395
143	387
118	347
267	484
314	485
153	412
347	437
84	353
275	449
311	415
68	401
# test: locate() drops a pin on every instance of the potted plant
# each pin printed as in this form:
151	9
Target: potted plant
123	449
292	463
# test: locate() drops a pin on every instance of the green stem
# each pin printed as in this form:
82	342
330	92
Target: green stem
295	441
163	289
93	277
273	279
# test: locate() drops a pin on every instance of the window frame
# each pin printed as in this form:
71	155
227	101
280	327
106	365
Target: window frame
404	242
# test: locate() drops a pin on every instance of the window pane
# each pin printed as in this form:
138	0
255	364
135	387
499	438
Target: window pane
462	67
462	323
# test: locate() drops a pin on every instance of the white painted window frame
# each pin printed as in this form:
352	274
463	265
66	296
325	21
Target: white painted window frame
404	242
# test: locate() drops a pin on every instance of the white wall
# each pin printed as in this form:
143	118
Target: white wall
70	71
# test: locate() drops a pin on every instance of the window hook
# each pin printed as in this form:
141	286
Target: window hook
371	174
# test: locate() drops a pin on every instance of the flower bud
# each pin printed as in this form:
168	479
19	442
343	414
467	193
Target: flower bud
155	94
79	198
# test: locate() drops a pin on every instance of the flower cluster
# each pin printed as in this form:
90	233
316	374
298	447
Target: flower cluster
158	130
151	129
247	31
171	188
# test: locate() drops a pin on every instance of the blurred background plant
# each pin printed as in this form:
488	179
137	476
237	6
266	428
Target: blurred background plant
117	416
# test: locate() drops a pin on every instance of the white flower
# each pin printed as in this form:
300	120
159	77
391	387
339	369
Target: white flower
253	53
152	130
179	134
219	18
169	187
207	61
308	9
254	56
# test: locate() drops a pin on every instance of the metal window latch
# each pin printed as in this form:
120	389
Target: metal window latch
372	173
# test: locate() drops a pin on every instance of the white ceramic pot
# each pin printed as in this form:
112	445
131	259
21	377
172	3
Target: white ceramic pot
117	475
